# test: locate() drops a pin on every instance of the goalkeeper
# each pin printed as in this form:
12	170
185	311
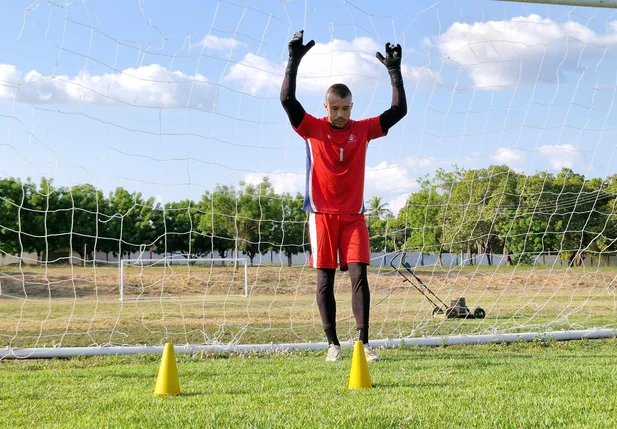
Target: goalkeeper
336	150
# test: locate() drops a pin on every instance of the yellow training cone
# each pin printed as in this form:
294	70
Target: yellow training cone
167	381
359	377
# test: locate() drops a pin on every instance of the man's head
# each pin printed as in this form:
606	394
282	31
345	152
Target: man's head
338	104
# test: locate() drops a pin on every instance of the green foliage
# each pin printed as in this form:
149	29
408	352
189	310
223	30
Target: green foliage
130	222
258	209
217	221
385	233
485	211
420	216
78	218
497	210
290	230
11	200
376	208
180	230
606	239
472	210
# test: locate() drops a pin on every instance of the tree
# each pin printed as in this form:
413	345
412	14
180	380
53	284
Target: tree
181	220
461	211
503	198
217	221
481	210
605	238
528	227
258	212
420	216
41	218
11	199
130	224
444	183
376	208
576	208
290	232
80	210
474	208
107	240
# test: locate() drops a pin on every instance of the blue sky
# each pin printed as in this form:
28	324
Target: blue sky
171	99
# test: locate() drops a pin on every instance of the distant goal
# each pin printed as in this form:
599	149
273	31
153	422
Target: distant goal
143	279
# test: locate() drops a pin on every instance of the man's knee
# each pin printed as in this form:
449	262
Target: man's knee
325	279
357	271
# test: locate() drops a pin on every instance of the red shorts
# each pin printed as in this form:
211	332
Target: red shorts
346	233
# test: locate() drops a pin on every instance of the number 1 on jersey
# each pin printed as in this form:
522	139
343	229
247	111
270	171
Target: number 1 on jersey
341	155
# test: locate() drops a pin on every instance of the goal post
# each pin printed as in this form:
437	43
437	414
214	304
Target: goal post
128	145
137	276
582	3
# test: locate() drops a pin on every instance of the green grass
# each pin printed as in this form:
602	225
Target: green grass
523	385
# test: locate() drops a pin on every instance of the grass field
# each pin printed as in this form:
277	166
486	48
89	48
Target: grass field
532	385
80	306
521	385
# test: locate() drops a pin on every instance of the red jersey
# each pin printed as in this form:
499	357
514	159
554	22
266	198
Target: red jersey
335	163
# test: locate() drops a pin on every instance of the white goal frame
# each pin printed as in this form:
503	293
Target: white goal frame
581	3
46	345
187	261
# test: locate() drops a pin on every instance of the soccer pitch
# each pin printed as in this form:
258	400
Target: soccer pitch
194	176
530	385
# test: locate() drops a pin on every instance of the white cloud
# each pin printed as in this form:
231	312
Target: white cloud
509	157
420	163
148	86
353	63
398	203
385	177
215	43
257	74
381	179
282	182
560	156
522	49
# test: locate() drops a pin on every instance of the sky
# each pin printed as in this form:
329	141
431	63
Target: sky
172	98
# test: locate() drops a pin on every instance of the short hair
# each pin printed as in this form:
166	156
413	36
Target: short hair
340	89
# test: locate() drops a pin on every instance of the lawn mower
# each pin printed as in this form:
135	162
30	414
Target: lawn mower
457	309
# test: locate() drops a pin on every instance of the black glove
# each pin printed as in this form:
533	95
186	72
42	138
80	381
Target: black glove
392	61
297	50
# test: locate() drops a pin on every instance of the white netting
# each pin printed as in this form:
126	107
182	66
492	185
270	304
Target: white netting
152	131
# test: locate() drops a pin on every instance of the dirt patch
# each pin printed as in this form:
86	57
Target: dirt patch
83	283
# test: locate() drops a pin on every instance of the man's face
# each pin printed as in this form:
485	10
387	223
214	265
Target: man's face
339	110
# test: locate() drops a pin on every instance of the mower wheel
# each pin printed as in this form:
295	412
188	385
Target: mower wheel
479	313
451	313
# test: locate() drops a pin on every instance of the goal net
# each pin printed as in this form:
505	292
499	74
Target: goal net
182	278
144	154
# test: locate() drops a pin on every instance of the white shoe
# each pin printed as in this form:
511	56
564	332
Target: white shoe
371	356
334	353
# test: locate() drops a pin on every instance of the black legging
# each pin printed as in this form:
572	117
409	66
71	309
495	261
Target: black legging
360	296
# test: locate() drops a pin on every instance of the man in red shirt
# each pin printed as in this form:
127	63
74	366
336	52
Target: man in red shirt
336	156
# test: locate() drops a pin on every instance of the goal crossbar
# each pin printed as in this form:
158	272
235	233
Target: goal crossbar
586	3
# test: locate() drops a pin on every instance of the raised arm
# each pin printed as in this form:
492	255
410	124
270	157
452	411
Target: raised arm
292	106
398	109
